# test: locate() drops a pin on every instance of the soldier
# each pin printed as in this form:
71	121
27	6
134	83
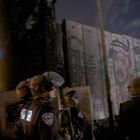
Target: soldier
24	94
129	121
71	119
40	120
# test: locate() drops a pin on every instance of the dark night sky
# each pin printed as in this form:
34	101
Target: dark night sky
120	16
82	11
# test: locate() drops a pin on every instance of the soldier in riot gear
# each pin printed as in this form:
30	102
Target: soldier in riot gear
129	119
24	94
39	120
71	119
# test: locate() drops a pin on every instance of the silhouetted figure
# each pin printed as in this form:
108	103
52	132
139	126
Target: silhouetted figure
129	122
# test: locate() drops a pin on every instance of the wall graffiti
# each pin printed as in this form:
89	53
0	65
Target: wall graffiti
123	63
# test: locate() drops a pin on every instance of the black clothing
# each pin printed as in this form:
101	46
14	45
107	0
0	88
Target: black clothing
23	103
129	122
39	120
103	130
19	105
71	120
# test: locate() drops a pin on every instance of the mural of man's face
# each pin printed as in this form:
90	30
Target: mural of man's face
121	66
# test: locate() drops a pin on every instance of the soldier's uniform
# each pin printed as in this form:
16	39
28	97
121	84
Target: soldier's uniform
71	120
23	92
22	105
39	120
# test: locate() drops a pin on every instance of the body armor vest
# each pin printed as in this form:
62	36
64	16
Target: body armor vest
29	115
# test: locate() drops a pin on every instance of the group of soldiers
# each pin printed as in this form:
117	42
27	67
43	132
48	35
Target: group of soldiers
37	115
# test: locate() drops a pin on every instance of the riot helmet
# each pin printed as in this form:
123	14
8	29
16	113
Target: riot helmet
36	84
22	89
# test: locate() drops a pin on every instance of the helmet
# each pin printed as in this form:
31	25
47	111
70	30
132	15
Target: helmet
22	89
134	87
71	98
55	78
22	84
74	95
36	84
37	79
